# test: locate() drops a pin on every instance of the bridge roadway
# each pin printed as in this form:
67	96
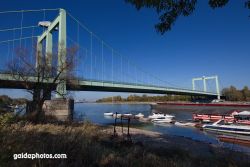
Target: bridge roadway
15	82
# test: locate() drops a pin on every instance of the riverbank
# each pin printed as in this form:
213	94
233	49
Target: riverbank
160	140
87	144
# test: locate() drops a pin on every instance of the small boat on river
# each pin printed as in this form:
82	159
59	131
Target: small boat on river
108	114
159	115
222	126
162	120
185	123
140	115
127	114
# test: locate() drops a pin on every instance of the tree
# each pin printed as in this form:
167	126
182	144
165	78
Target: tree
41	78
246	93
170	10
232	94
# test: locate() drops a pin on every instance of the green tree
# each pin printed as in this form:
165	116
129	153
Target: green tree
170	10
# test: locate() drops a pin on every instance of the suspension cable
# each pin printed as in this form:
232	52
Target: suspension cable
16	39
102	62
21	31
35	10
91	52
107	45
17	28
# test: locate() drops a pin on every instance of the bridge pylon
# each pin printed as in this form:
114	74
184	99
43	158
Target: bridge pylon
205	83
59	24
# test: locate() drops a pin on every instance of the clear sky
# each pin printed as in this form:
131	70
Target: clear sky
208	42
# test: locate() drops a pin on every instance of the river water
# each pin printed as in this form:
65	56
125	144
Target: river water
94	112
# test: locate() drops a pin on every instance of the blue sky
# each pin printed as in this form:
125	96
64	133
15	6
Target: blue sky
208	42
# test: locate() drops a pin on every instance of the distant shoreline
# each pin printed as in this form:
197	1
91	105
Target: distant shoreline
119	102
125	102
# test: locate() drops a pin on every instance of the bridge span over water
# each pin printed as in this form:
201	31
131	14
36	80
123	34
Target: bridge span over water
8	81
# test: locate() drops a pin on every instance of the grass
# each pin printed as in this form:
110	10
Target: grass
87	145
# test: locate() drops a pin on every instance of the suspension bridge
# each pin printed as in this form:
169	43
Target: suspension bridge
98	66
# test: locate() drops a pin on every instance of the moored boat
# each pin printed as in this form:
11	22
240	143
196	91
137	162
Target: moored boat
140	115
222	126
242	117
108	114
244	122
159	115
185	123
155	115
127	114
212	117
162	120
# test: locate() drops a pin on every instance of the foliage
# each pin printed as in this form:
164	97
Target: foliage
232	94
7	118
5	100
170	10
145	98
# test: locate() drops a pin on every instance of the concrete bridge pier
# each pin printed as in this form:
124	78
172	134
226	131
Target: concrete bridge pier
59	108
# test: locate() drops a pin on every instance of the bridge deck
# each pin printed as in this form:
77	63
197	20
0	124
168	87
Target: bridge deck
8	81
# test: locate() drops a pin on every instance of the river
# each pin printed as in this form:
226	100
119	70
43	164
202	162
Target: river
93	112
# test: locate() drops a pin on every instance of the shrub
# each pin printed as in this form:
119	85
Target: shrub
7	118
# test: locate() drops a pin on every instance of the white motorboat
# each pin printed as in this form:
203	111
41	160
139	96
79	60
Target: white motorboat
140	115
108	114
221	126
155	115
127	114
185	123
162	120
158	115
